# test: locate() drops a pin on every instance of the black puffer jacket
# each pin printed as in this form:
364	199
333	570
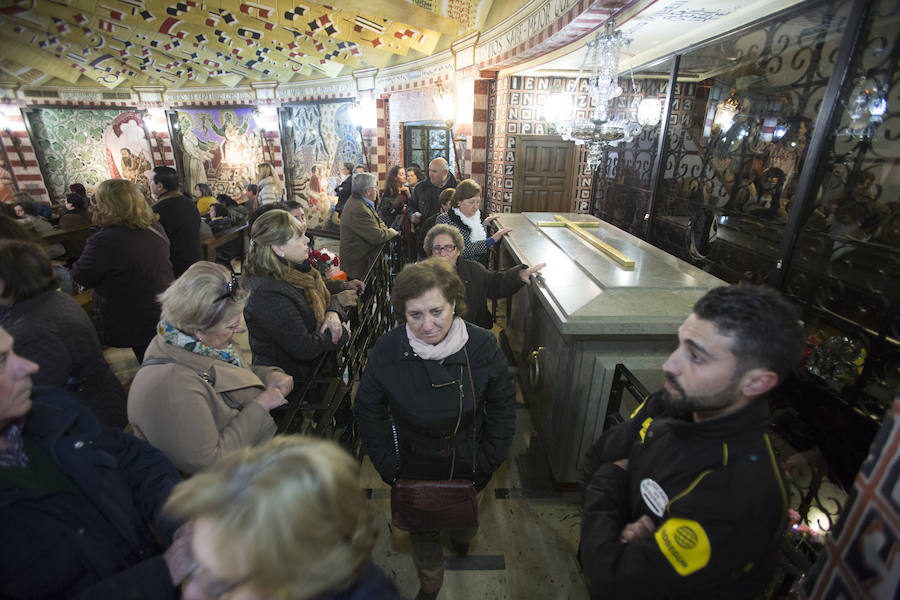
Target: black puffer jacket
53	330
713	491
283	330
92	526
482	284
423	399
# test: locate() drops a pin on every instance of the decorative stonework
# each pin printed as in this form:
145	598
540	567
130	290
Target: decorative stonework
334	89
544	15
229	97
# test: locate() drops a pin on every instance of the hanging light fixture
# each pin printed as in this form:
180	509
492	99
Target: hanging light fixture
598	130
726	111
866	107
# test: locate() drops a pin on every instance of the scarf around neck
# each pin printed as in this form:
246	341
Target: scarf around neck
476	229
452	343
179	339
304	277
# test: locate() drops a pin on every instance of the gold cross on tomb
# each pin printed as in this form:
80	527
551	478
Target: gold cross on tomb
577	227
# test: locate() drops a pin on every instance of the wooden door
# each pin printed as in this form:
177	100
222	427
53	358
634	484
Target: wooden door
544	174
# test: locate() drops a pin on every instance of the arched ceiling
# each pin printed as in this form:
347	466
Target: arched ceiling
220	42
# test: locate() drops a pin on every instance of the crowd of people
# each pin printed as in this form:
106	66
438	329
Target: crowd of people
181	486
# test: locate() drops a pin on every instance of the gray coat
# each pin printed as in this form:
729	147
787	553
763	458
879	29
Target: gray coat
362	235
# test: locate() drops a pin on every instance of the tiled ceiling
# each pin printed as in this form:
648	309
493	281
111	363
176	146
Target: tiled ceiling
221	42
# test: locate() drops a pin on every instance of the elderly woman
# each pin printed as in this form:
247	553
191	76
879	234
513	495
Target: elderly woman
52	330
292	317
195	397
268	184
415	406
465	215
127	264
443	241
285	520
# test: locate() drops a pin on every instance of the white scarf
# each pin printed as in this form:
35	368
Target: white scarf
474	223
452	343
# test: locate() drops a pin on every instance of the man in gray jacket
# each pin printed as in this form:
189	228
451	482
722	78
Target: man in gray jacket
362	230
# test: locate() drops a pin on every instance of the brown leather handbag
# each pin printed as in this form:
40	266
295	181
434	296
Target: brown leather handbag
432	505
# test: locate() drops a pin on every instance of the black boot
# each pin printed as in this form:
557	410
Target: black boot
461	548
423	595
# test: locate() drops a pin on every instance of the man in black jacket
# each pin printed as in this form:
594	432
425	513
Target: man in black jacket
425	200
685	500
179	217
79	502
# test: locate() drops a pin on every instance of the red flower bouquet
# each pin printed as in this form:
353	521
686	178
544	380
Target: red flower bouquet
326	262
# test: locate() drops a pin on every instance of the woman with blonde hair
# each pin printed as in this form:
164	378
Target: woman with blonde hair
127	264
195	397
465	215
292	317
268	184
284	520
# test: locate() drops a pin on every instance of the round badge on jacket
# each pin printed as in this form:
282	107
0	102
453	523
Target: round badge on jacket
654	496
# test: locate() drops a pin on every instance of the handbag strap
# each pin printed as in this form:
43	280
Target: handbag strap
474	414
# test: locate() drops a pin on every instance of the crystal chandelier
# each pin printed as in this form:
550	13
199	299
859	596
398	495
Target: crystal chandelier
602	62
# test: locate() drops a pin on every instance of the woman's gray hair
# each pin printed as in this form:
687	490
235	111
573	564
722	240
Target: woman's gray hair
204	296
442	228
288	515
361	182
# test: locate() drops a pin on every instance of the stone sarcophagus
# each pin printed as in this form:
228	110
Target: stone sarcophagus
605	297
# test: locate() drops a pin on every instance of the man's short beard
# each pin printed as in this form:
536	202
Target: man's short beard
691	404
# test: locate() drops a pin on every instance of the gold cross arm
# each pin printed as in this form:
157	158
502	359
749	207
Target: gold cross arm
578	228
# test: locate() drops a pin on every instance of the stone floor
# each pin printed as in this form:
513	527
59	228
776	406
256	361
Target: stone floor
526	544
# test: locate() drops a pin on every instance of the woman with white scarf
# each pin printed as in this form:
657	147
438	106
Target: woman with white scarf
436	401
465	215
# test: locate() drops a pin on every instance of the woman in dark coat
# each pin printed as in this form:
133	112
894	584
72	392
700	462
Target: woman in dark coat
465	215
291	316
127	264
420	379
393	210
52	330
445	242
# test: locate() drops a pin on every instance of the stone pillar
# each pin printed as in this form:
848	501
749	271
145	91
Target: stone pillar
22	158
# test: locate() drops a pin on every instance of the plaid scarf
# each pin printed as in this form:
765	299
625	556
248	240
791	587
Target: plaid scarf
179	339
14	456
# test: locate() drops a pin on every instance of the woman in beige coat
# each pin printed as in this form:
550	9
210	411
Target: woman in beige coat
195	397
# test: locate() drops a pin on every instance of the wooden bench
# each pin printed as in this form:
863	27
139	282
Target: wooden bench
211	243
62	236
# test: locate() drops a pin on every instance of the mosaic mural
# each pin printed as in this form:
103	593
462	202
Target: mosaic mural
220	147
89	146
320	135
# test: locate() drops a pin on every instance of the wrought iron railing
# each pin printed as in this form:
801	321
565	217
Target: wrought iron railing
322	407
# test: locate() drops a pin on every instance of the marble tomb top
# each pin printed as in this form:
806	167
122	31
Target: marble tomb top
634	288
